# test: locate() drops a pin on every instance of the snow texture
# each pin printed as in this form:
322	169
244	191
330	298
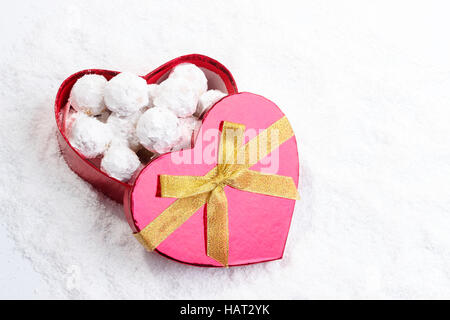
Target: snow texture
365	84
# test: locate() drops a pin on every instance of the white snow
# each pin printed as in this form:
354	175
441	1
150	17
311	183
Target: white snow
365	84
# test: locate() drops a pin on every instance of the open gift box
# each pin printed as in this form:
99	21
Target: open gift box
229	200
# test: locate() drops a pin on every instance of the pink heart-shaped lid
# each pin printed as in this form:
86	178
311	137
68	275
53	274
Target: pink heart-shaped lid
258	224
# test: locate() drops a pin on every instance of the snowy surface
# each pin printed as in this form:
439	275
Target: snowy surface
365	84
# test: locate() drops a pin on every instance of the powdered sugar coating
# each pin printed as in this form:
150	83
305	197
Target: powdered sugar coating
158	130
152	92
178	95
87	94
124	129
89	136
193	74
207	100
126	93
188	128
120	162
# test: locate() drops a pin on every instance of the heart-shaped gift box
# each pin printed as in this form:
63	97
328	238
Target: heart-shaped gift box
218	78
244	218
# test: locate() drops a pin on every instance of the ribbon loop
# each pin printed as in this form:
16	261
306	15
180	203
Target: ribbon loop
268	184
184	186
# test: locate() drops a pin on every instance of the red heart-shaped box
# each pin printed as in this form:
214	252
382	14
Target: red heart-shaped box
258	224
218	78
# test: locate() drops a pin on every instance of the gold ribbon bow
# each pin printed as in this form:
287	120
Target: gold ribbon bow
232	170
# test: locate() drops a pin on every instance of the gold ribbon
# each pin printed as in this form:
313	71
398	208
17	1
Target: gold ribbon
234	161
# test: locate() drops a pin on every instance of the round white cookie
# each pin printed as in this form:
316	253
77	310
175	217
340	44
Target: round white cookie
193	74
126	94
188	127
87	94
177	95
89	136
120	162
158	130
207	100
124	129
152	92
